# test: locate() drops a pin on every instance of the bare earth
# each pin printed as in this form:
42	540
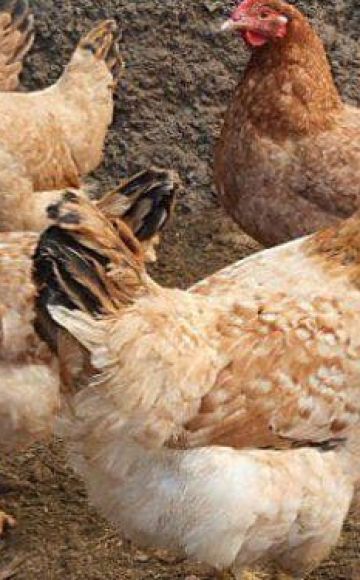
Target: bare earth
169	107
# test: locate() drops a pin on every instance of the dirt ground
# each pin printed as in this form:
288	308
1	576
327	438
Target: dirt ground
169	106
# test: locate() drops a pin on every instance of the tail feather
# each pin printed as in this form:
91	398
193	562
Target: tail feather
16	39
144	202
83	262
89	259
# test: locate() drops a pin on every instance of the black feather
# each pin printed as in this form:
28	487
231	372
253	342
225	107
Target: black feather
59	255
161	197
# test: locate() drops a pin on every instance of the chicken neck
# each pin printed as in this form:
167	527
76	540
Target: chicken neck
288	89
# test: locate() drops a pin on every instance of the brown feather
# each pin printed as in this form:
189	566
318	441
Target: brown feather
288	159
264	353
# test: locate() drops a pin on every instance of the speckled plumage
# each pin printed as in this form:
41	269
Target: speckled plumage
288	159
179	385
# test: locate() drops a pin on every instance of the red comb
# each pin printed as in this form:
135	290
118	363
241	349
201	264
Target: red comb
243	7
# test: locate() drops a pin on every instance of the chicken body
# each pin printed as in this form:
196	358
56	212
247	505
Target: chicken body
50	139
262	354
230	509
288	159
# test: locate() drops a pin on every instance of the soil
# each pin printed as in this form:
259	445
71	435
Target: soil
180	76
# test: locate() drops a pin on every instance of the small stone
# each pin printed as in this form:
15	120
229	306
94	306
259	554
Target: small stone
141	557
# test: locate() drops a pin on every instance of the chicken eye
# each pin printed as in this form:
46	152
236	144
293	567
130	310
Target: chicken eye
264	15
89	47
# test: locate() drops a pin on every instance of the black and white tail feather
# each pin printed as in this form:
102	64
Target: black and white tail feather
92	258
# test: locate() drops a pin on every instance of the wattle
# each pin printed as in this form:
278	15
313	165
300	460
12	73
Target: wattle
254	38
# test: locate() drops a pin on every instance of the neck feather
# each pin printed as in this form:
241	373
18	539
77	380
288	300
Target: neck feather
288	87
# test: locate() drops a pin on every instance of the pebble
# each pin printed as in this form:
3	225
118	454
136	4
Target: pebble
141	557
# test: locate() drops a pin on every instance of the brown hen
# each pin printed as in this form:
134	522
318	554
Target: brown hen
288	159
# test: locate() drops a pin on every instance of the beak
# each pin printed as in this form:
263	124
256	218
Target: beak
231	25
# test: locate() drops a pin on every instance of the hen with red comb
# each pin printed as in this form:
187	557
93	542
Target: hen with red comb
288	159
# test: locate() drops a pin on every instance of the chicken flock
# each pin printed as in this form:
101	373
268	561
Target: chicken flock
222	421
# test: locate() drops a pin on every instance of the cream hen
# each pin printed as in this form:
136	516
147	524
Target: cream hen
51	139
29	385
171	388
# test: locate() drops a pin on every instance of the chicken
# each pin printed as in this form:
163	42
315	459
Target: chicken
29	376
144	202
174	395
16	39
288	159
51	139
